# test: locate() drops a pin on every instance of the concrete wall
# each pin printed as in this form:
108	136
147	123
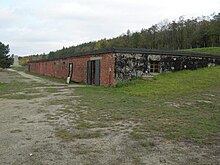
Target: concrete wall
139	65
130	65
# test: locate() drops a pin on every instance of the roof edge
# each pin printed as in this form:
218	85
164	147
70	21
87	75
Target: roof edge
134	51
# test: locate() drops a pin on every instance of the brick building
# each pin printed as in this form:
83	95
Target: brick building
106	67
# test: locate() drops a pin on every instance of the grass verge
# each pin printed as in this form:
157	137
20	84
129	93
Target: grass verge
54	79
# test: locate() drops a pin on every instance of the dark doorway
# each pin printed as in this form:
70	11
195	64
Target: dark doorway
93	72
70	73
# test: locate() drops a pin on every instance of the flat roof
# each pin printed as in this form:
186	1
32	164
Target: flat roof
135	51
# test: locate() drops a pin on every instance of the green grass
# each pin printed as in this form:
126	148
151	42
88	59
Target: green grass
182	105
51	90
16	86
20	68
24	69
172	85
54	79
82	134
147	144
82	125
208	50
21	96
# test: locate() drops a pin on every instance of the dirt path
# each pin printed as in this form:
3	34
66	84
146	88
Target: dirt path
35	78
27	132
44	81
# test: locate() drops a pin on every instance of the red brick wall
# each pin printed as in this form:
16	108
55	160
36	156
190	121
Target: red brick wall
59	68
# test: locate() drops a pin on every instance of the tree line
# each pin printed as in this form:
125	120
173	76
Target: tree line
178	34
26	59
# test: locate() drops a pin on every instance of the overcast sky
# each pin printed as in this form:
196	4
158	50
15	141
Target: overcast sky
38	26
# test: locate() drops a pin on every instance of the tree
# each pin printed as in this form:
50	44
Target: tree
5	59
101	44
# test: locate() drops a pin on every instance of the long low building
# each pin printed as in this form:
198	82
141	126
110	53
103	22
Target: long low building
106	67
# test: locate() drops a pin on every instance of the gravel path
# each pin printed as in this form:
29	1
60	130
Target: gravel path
26	135
35	78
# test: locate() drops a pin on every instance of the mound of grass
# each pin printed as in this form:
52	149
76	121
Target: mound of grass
208	50
172	85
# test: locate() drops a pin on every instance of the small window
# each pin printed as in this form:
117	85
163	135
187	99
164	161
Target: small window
155	67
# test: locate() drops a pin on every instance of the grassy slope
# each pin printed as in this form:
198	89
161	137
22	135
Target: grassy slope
175	105
209	50
172	85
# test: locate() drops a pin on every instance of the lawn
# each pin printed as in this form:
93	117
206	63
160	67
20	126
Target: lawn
180	106
209	50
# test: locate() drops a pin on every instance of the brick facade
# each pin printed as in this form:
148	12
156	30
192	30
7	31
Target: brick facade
60	68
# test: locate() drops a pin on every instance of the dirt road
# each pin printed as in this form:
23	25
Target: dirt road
27	135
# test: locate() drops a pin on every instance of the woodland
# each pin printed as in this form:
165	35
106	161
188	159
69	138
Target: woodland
178	34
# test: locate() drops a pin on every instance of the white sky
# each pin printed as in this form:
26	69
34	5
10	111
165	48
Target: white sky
38	26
